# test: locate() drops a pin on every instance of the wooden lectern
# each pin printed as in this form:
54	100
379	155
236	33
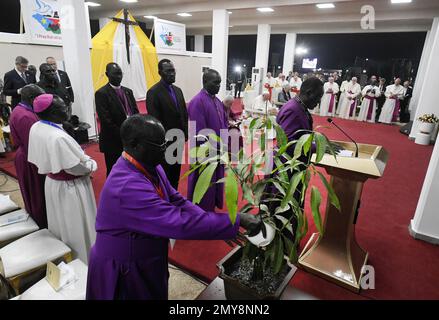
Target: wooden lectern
336	255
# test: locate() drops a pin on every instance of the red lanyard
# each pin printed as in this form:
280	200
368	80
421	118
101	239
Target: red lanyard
139	167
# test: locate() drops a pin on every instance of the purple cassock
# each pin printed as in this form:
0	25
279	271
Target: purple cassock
130	257
31	183
293	117
207	112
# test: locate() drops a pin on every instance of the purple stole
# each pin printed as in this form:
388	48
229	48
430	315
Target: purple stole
331	103
395	110
353	105
123	99
370	107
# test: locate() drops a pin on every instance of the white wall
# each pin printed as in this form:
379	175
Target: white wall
36	54
189	71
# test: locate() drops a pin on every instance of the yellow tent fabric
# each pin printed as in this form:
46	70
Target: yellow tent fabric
102	53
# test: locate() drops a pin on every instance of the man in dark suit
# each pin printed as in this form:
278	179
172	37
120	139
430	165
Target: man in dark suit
49	83
404	113
62	77
166	102
114	103
16	79
239	80
382	98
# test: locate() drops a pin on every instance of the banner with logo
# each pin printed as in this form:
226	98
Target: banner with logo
169	36
41	21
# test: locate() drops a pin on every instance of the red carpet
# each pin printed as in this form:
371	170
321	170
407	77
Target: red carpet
405	268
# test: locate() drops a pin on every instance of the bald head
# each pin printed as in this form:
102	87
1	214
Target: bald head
141	135
114	74
30	92
211	81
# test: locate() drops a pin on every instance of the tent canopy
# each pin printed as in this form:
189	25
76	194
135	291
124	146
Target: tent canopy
109	45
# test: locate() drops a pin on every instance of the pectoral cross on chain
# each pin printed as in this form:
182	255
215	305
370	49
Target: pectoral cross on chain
127	24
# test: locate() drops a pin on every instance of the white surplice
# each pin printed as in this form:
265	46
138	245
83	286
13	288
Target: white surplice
326	99
365	105
343	87
260	106
397	91
270	81
296	83
70	205
352	92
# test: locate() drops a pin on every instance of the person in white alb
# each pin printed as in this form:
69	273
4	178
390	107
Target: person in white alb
269	83
343	87
281	81
262	104
295	83
70	200
369	105
349	103
394	94
327	104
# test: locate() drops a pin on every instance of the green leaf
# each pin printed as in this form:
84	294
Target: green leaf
320	146
203	182
215	137
281	137
262	141
279	187
294	182
299	145
331	193
246	208
191	170
231	189
316	198
308	143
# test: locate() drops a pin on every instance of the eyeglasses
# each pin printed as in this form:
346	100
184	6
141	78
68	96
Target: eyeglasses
161	147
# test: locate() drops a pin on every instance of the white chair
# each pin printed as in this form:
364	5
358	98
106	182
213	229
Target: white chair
13	231
42	290
30	254
6	204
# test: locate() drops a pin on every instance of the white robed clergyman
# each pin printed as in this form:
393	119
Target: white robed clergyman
327	104
343	88
70	200
295	83
349	103
262	104
369	104
394	93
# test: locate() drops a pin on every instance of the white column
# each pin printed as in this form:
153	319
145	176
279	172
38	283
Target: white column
76	48
220	44
103	22
417	108
199	43
263	47
425	224
290	49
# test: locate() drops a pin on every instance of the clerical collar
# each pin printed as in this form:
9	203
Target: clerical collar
114	87
207	92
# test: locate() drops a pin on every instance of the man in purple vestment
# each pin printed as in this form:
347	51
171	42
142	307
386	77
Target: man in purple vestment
31	183
293	117
138	212
206	111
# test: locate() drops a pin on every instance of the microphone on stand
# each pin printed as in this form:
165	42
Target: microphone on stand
356	145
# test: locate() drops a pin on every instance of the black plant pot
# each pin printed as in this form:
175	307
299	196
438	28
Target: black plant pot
235	290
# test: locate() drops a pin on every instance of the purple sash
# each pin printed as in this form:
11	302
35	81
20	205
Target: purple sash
370	107
353	105
62	176
331	103
395	110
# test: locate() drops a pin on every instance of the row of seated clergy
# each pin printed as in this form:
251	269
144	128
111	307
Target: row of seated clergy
25	250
